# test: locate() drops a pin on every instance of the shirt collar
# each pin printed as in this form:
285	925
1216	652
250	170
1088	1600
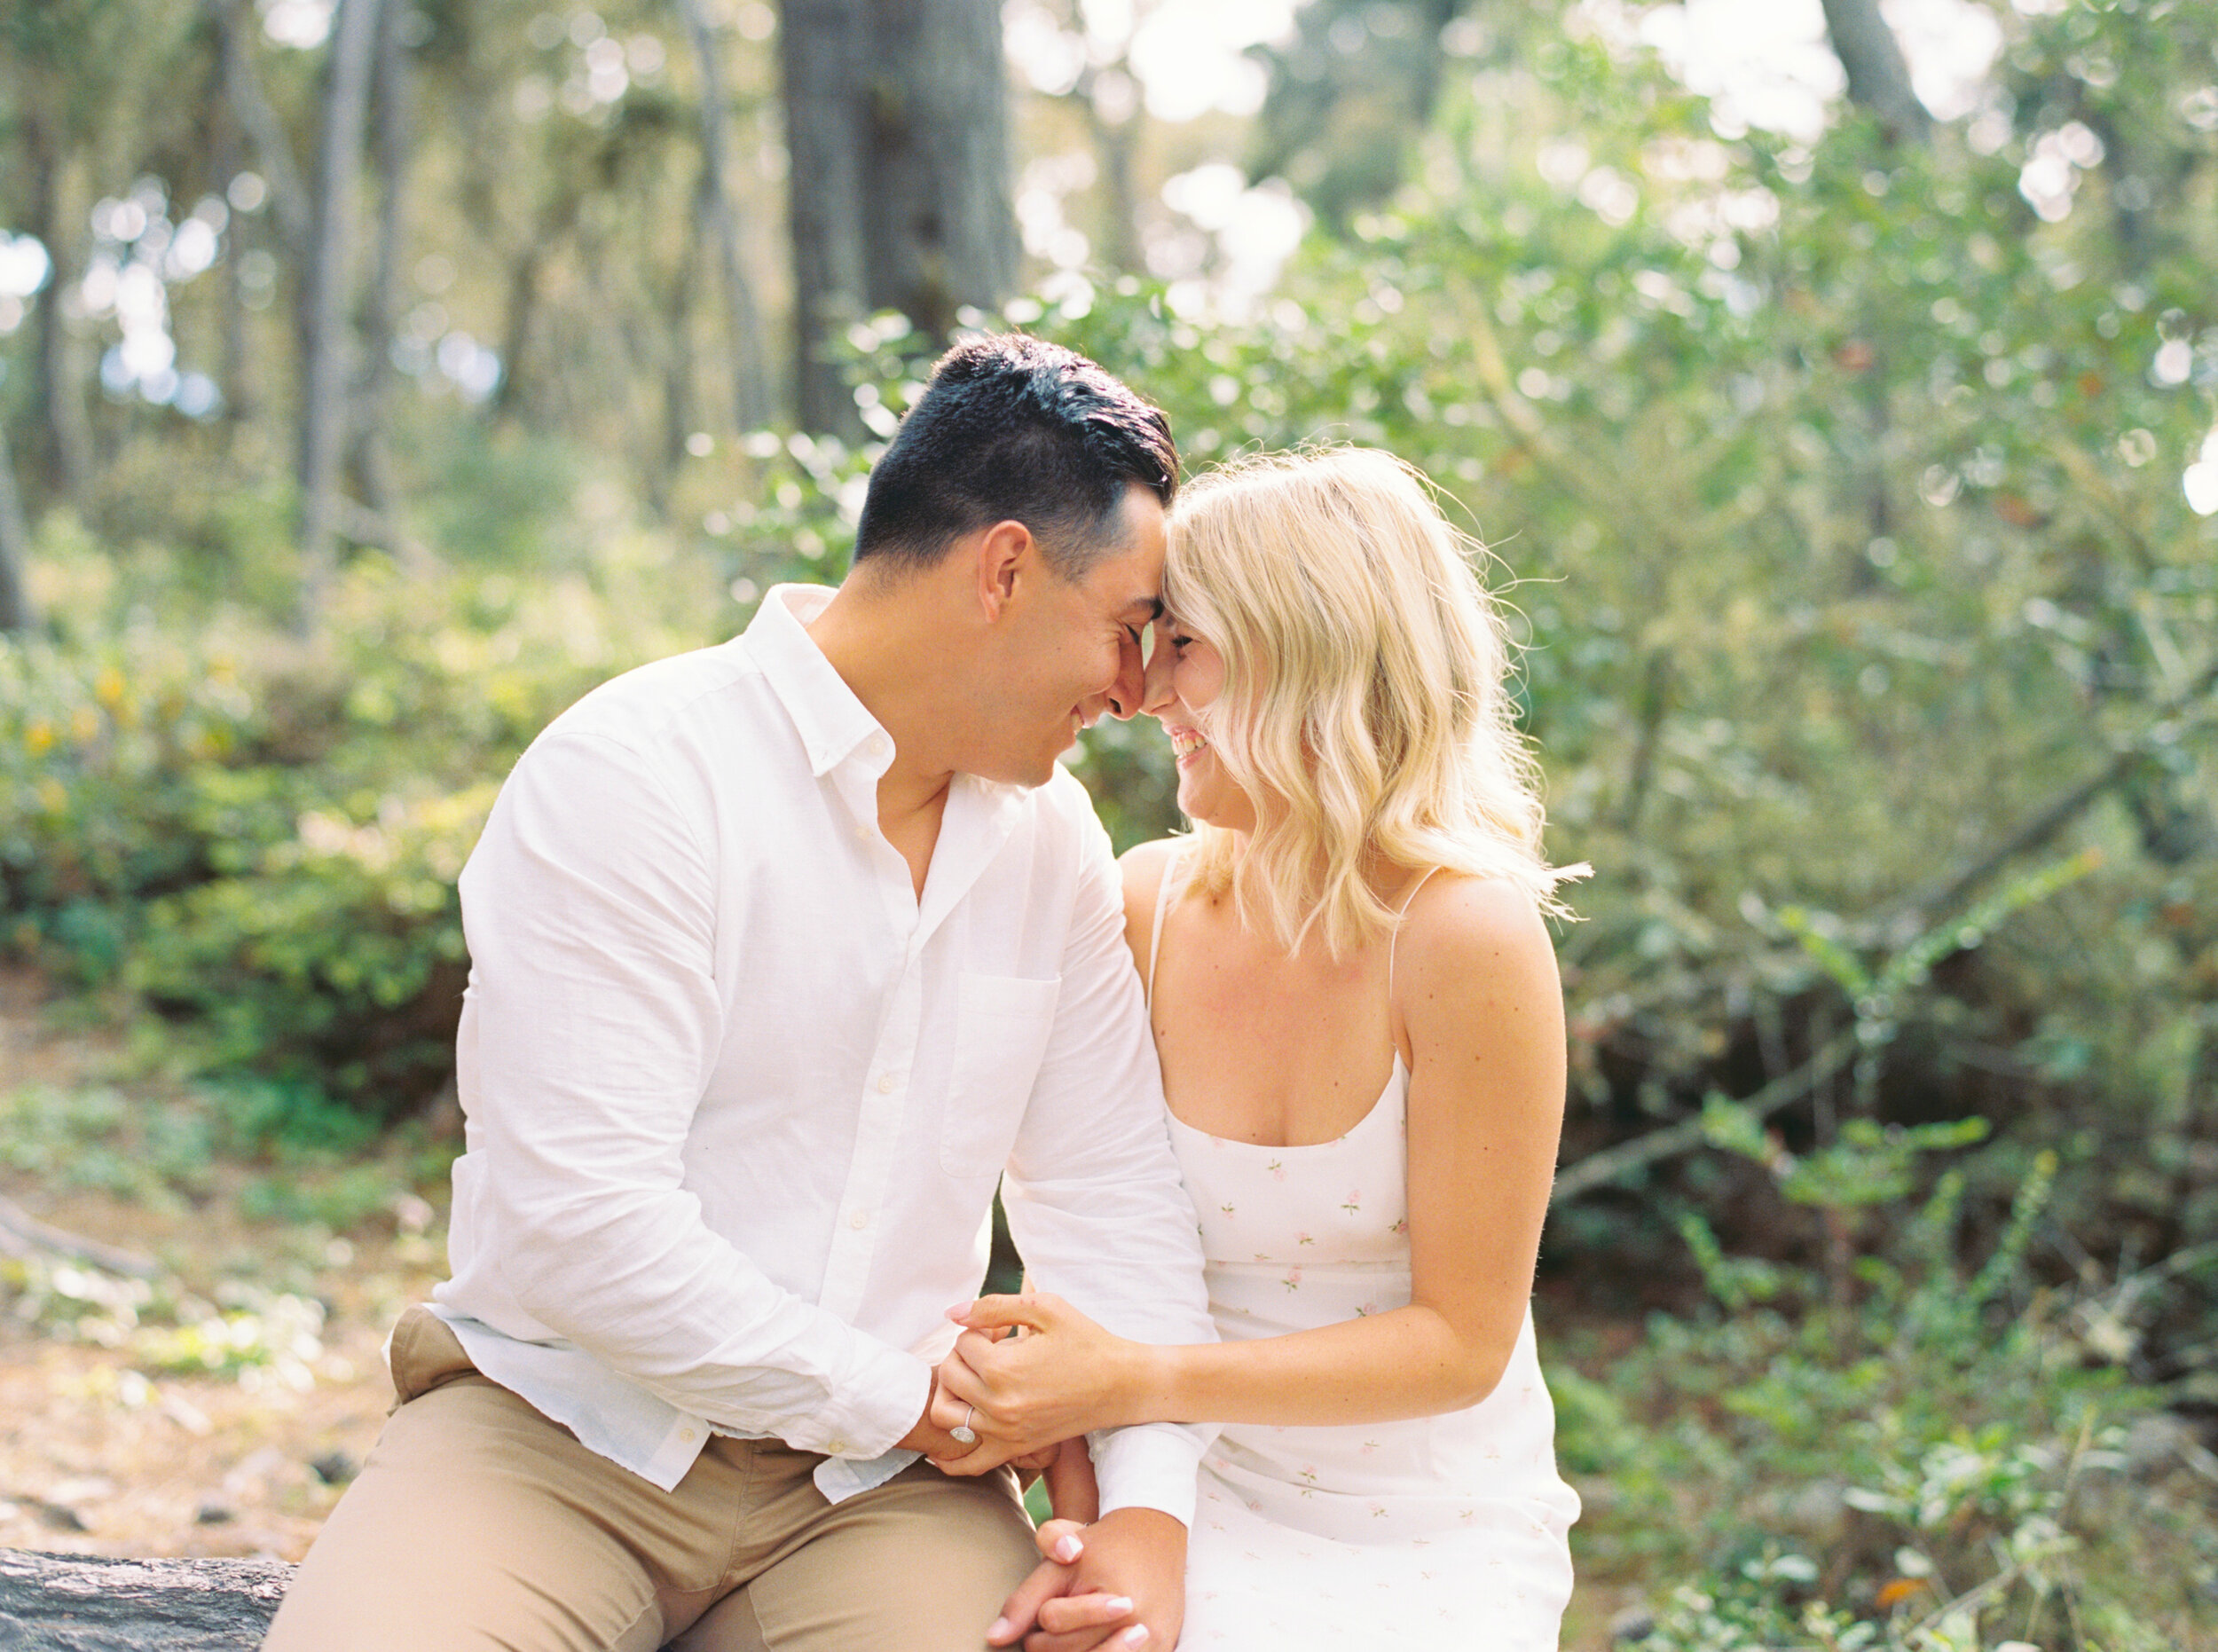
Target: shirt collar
833	724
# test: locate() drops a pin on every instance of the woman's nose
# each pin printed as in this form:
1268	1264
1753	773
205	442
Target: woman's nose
1155	681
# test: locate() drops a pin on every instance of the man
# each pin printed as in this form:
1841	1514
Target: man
781	953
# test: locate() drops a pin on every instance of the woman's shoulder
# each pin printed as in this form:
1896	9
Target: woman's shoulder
1146	863
1144	866
1462	932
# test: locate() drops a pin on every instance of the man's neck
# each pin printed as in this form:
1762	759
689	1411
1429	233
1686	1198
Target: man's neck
867	636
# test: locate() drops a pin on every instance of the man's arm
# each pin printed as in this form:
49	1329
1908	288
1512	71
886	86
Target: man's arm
1098	1213
594	1023
1094	1202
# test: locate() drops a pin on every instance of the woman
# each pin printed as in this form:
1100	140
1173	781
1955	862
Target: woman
1360	1025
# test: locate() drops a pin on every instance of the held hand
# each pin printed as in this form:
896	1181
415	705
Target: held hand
930	1436
1134	1558
1059	1377
939	1435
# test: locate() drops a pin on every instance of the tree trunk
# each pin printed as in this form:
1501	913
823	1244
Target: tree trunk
231	296
67	456
17	612
898	130
324	377
750	398
823	45
381	312
1878	79
939	229
236	24
679	355
75	1602
1115	152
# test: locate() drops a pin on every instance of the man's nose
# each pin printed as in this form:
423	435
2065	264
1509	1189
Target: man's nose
1126	694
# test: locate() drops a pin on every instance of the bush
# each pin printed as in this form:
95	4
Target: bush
1934	1466
258	840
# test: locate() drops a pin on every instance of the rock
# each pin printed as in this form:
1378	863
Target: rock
58	1517
335	1468
1631	1626
82	1603
214	1513
2155	1439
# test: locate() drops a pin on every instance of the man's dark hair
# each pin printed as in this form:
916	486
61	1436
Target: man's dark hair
1014	429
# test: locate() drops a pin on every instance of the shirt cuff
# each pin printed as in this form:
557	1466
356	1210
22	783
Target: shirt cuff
1152	1465
840	1478
870	1410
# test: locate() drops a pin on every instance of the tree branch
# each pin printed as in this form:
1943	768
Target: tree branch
21	1234
1878	79
2057	814
1600	1169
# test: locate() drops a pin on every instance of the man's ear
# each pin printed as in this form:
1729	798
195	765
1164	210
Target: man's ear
1006	556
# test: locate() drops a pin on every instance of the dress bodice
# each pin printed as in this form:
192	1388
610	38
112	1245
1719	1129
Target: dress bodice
1277	1222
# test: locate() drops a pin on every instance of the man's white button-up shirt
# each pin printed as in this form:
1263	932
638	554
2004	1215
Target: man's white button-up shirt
737	1099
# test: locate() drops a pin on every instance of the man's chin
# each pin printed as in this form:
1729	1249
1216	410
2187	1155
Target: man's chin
1031	774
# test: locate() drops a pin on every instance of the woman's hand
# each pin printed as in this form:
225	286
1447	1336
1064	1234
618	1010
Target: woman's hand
1030	1371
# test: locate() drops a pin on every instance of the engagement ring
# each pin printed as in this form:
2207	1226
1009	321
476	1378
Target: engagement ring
966	1435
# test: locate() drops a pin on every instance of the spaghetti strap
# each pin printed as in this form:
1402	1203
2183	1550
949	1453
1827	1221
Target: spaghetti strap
1395	939
1155	933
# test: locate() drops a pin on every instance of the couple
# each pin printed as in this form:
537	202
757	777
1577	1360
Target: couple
785	953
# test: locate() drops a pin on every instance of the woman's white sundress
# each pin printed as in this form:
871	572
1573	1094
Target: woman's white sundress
1439	1533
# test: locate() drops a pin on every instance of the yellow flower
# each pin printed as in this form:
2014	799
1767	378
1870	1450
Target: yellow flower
38	739
107	688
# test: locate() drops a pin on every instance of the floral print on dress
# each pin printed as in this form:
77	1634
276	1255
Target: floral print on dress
1419	1534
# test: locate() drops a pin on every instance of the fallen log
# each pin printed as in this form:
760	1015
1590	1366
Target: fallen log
90	1603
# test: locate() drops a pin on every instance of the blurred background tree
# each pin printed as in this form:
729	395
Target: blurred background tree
1837	384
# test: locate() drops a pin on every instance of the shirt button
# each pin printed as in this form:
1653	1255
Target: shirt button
858	1220
686	1434
835	1446
886	1084
877	745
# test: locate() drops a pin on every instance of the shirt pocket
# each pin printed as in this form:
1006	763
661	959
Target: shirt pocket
1002	1025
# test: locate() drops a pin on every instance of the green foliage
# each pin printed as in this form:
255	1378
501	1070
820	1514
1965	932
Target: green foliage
260	844
249	1334
95	1139
1914	1470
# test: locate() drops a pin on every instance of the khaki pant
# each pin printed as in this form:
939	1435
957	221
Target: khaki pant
478	1524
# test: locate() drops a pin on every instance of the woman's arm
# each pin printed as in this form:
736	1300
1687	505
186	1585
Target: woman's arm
1478	994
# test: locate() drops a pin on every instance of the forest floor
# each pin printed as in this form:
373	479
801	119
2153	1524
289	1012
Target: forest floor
115	1435
99	1455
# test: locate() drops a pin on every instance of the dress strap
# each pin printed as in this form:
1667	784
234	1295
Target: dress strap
1163	891
1399	918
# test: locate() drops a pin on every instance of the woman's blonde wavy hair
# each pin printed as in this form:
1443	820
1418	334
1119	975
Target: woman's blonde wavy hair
1364	706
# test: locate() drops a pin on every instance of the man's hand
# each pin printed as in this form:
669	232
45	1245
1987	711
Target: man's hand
931	1437
1126	1589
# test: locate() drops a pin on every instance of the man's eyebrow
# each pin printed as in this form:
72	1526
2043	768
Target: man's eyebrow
1153	605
